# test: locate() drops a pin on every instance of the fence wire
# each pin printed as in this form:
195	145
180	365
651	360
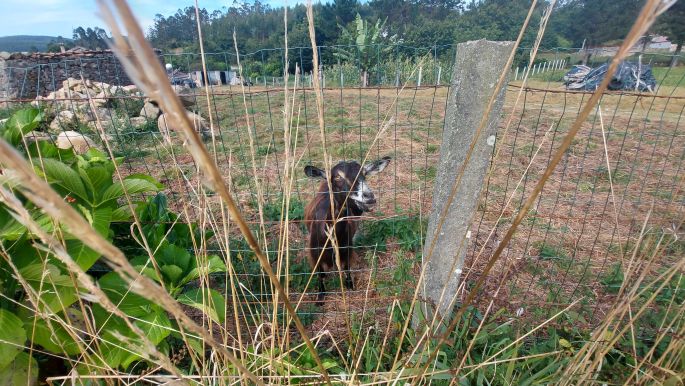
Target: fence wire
571	245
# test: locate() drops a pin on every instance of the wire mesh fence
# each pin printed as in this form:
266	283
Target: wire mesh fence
621	180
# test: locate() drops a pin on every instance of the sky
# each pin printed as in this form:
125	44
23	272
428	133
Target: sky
60	17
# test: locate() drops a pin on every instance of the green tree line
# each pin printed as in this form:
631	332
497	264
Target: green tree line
403	24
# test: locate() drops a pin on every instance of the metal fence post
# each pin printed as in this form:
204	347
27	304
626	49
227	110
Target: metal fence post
477	69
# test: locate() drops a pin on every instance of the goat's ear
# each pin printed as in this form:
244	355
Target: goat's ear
375	167
314	172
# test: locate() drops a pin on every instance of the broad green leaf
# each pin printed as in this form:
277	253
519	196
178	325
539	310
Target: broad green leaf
156	325
172	273
146	177
10	229
118	344
22	122
122	214
11	331
22	371
94	154
54	338
84	256
131	186
57	290
101	219
99	176
62	175
118	291
213	304
214	265
170	254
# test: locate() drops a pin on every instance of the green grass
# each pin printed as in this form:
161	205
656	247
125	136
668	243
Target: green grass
426	173
670	76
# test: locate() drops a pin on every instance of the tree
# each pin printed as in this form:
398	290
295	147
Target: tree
672	24
90	38
365	45
598	21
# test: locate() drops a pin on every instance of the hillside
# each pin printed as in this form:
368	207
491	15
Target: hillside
18	43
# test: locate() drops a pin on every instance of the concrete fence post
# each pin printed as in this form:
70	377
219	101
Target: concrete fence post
477	69
439	75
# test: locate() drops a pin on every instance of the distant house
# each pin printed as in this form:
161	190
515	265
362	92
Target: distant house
655	43
215	78
659	43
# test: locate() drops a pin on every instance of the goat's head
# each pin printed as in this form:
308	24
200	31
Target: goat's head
348	178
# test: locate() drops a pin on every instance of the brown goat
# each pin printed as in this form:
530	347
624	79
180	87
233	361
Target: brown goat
351	197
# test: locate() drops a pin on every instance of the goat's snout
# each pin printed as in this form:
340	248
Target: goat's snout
369	199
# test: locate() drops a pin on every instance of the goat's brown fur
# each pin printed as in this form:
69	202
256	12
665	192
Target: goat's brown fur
347	179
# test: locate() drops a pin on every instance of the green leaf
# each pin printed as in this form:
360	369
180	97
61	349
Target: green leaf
118	291
62	175
12	332
120	345
156	326
131	186
10	229
101	218
57	289
214	265
22	122
146	177
170	254
122	214
99	177
46	149
213	304
54	338
22	371
84	256
172	273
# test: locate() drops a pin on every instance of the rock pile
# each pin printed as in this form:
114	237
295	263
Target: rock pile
87	106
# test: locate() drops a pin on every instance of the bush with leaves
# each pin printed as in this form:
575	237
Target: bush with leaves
42	304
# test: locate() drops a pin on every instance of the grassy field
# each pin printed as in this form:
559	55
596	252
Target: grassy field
566	247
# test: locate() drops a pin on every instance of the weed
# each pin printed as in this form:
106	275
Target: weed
405	230
426	173
273	209
431	148
613	279
549	251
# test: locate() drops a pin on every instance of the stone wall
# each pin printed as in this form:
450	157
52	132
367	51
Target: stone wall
25	76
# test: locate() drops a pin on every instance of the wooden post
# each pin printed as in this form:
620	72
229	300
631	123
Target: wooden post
477	69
